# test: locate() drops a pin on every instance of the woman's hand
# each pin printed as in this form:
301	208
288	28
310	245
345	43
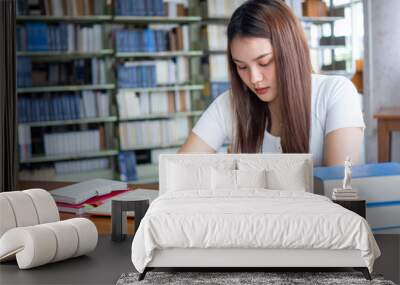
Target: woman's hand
342	143
194	144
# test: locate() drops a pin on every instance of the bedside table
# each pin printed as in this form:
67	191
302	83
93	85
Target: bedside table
357	206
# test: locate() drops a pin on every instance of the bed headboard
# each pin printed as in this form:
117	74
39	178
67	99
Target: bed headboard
283	164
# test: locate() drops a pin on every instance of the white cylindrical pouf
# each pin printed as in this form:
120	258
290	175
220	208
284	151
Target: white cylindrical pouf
7	218
45	206
87	234
66	238
34	245
23	208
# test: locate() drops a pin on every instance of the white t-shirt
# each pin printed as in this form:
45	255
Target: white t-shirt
335	104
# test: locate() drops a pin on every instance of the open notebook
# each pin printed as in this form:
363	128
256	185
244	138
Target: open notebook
80	192
105	209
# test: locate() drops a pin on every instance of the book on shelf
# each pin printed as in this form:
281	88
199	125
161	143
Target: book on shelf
63	106
134	104
153	133
37	36
142	40
222	8
146	74
216	37
218	66
169	8
218	87
127	166
24	142
75	142
377	183
80	192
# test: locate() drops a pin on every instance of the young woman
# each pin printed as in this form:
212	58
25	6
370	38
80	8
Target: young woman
275	103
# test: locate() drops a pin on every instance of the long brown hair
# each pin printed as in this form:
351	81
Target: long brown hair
272	19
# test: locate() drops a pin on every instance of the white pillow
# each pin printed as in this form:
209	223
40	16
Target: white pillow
295	180
282	174
222	179
182	177
251	178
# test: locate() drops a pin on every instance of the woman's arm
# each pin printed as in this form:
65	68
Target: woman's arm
194	144
342	143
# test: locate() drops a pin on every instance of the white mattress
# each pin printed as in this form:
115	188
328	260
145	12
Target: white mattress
252	218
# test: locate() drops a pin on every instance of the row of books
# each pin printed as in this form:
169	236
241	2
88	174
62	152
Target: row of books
72	142
75	72
133	104
153	133
82	165
59	37
218	67
141	74
64	106
139	7
61	7
222	8
218	88
152	40
216	37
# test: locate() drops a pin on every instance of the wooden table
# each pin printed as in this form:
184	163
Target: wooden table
388	122
103	224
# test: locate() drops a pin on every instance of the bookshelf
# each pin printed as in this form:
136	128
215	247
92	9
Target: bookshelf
172	102
35	163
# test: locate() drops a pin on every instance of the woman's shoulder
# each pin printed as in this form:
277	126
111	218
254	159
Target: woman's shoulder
328	84
329	81
222	100
326	89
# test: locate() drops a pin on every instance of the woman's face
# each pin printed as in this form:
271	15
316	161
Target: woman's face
255	65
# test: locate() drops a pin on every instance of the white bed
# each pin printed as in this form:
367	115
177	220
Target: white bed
221	211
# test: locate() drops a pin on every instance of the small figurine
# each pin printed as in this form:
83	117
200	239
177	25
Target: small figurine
347	173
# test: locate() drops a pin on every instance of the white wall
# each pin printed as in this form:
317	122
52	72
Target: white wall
381	68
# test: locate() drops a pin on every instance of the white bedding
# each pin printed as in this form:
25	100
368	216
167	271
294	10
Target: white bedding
251	218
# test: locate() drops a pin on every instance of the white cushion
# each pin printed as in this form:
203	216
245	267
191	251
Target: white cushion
284	174
40	244
7	218
193	176
251	178
223	179
183	178
226	179
45	205
31	232
23	208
